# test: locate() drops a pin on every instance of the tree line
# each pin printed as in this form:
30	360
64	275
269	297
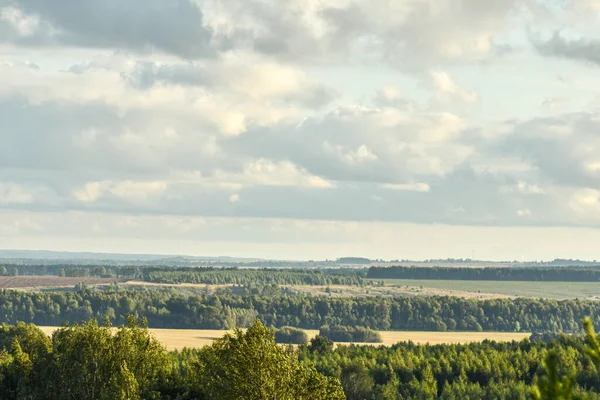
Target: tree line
547	274
172	309
209	275
251	276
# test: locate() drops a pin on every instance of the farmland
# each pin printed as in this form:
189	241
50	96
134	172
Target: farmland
552	290
177	339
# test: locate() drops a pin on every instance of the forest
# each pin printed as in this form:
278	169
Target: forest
91	361
172	309
546	274
251	276
209	275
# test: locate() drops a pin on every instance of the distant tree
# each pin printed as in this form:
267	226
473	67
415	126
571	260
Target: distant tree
321	344
15	272
3	271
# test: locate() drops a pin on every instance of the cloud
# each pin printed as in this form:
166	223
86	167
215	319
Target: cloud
448	91
307	111
176	27
407	35
15	194
128	190
578	49
417	187
247	75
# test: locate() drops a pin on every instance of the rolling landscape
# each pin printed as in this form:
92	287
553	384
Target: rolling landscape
299	200
478	309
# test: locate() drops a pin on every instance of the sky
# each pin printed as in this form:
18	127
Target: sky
302	129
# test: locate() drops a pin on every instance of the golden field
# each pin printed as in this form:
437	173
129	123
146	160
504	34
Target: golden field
177	339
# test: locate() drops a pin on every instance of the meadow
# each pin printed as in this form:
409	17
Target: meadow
177	339
551	290
48	281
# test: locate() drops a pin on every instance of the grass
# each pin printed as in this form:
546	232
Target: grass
554	290
177	339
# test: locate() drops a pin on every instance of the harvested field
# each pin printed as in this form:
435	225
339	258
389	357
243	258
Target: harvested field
177	339
26	282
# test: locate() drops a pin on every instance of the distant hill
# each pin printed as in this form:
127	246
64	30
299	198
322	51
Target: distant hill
353	260
67	255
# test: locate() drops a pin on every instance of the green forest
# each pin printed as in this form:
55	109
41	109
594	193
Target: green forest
172	309
90	361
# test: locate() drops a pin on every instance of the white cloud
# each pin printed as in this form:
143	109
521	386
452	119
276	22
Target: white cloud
416	187
265	172
24	25
448	91
15	194
128	190
234	198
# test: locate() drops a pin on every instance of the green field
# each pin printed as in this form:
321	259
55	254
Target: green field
554	290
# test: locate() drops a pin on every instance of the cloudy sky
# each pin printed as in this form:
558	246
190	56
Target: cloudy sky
301	128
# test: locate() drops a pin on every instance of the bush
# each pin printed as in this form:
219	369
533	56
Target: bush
290	335
359	334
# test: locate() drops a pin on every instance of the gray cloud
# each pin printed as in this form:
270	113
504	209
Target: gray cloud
407	35
585	50
174	27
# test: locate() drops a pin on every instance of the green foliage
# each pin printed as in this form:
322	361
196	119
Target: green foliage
321	344
290	335
553	386
171	309
251	366
236	276
92	362
357	334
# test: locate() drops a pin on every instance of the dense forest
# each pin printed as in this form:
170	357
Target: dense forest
252	276
209	275
171	309
548	274
213	275
486	370
89	362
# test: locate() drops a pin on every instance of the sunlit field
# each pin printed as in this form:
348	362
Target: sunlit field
177	339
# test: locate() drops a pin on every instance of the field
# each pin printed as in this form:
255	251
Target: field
177	339
553	290
29	282
342	290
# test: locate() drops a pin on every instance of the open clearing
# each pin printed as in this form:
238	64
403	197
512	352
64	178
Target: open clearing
27	282
344	290
177	339
553	290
